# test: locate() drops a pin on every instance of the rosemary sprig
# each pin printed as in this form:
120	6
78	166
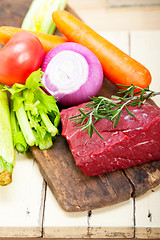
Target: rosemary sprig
111	109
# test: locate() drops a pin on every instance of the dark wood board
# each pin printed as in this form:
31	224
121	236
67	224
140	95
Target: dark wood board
73	190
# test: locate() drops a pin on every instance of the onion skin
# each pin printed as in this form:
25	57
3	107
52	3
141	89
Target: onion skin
82	79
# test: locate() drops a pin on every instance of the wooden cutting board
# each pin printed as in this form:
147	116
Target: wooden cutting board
73	190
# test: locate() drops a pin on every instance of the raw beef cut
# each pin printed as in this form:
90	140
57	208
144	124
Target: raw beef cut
134	141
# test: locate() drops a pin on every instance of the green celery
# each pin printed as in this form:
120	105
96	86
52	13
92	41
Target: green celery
47	122
7	154
25	125
39	15
43	137
43	141
36	112
18	138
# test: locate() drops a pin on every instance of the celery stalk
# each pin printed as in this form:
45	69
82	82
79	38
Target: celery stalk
50	127
19	141
7	154
25	126
39	15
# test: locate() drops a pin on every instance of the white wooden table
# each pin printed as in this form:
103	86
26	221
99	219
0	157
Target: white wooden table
28	208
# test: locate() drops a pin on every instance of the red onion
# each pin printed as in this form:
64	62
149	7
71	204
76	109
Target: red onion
72	74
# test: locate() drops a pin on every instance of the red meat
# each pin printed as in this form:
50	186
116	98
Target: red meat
134	141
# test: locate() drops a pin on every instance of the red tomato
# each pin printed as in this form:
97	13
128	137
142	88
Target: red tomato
22	55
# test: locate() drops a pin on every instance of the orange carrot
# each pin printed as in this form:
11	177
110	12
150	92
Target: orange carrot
118	67
48	41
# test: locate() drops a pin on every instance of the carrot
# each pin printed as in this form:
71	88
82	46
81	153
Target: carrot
118	67
48	41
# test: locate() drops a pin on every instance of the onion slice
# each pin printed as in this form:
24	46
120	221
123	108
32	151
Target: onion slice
72	74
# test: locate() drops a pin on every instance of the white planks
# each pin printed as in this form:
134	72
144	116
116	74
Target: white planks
145	47
113	222
21	202
116	221
139	218
122	3
98	15
118	38
61	224
100	223
148	215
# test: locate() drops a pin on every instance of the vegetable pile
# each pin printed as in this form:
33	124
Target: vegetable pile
45	70
33	116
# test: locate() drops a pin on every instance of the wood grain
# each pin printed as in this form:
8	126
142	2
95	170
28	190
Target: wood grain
144	177
13	12
21	202
77	192
73	190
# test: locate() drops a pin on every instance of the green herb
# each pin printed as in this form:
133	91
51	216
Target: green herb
111	109
34	114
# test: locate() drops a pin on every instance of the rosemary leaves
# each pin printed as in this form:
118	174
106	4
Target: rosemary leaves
111	109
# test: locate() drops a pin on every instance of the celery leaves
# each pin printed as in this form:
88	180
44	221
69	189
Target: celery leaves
36	112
